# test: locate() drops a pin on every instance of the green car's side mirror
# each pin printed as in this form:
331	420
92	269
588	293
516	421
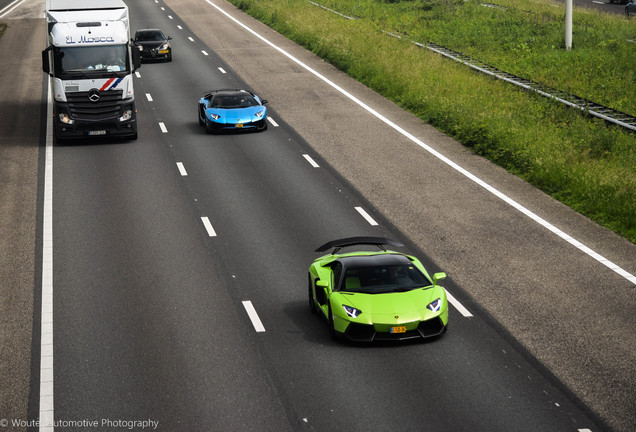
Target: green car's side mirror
321	283
438	277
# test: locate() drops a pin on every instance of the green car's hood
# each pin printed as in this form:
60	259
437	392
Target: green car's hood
383	308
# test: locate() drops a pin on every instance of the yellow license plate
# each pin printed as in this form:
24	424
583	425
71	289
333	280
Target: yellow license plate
239	125
398	329
163	52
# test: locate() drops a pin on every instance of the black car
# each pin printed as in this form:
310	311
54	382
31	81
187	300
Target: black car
154	44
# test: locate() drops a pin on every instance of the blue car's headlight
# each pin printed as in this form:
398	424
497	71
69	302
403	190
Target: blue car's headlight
435	305
259	115
351	311
215	116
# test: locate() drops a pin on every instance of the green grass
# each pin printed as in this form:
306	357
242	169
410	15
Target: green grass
580	161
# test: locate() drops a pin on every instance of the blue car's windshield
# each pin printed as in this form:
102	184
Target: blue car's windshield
242	100
383	279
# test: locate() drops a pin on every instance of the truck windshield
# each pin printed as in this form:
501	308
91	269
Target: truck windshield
103	58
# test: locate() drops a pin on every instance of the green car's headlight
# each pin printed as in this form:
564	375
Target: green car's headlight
435	305
351	311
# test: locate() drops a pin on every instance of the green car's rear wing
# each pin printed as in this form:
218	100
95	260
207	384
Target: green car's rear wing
353	241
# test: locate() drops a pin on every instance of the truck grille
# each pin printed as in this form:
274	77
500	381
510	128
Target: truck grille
107	106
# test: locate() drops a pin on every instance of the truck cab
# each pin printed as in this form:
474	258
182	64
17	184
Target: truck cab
90	63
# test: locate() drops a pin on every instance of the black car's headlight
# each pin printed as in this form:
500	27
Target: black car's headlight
351	311
435	305
165	46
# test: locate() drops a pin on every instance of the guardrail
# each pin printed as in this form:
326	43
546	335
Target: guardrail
610	115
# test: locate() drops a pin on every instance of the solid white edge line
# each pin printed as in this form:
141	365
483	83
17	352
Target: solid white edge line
460	307
366	216
251	312
208	226
4	12
271	120
311	161
46	333
182	169
435	153
163	128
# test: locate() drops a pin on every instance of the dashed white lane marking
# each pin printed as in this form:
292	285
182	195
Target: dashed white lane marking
204	53
251	312
163	8
170	17
366	216
437	154
208	226
271	120
163	127
460	307
179	27
148	97
137	74
311	161
46	336
586	430
222	70
182	169
190	39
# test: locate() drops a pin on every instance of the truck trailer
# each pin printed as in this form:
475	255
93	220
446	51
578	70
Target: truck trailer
91	61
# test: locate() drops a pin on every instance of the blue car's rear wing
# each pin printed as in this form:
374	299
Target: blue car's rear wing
353	241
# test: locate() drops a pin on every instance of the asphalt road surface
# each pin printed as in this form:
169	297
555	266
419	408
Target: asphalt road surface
161	247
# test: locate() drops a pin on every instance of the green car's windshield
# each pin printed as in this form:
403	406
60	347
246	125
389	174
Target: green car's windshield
383	279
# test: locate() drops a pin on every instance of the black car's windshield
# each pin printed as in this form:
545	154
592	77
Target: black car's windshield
383	279
150	36
242	100
87	60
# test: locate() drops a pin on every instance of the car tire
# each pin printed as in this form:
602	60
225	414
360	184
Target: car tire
332	328
312	303
208	129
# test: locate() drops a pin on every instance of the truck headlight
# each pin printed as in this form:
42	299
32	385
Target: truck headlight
127	115
64	118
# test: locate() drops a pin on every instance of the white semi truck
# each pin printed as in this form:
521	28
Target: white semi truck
91	64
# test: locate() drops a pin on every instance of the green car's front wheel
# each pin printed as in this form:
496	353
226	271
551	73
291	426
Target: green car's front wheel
312	304
332	328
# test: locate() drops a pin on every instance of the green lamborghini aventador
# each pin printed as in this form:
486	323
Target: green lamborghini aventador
376	295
